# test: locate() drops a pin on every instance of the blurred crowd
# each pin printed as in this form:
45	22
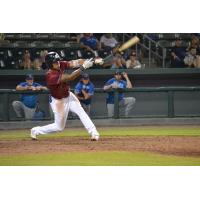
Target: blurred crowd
89	42
93	43
186	57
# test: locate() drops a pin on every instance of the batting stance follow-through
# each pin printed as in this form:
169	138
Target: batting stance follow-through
62	100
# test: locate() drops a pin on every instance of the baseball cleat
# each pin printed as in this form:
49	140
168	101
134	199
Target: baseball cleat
95	136
33	135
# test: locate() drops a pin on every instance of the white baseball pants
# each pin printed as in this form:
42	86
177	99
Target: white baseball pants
61	108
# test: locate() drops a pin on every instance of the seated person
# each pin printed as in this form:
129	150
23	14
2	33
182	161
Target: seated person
108	42
192	59
124	102
84	90
26	60
28	102
133	62
194	44
178	54
89	42
118	62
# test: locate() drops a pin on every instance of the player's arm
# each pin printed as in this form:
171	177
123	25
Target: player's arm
21	88
108	85
70	77
129	84
89	94
77	91
76	63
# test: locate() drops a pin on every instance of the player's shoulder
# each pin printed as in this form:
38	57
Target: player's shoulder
112	80
36	84
79	84
123	81
23	84
64	64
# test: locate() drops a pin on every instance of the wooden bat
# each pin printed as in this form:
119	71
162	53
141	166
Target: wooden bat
133	41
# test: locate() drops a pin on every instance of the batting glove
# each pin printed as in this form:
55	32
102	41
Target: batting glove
88	63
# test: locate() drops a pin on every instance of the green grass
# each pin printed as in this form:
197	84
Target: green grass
103	158
121	131
99	159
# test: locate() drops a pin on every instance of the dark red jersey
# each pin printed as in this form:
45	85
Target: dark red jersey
58	89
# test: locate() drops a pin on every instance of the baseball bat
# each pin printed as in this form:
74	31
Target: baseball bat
133	41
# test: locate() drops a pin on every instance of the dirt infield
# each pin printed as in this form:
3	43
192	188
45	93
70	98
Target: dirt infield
171	145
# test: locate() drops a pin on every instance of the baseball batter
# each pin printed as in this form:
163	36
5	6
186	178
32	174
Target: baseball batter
61	99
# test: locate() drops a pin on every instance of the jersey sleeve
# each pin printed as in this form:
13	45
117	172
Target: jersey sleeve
64	65
23	84
109	82
37	84
91	90
124	84
77	89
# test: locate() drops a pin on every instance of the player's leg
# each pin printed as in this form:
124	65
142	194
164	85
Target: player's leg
86	108
75	107
18	108
110	108
28	112
129	103
60	109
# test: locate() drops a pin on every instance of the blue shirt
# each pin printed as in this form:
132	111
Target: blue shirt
88	88
89	41
29	100
121	84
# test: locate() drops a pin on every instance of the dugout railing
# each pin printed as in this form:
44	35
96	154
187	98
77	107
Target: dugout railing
150	102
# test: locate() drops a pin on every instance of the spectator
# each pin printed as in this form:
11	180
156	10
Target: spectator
124	102
108	42
26	60
178	54
89	42
194	44
84	90
192	59
28	102
43	53
133	62
37	64
118	62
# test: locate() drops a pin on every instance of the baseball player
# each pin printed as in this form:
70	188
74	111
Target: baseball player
124	102
84	90
61	99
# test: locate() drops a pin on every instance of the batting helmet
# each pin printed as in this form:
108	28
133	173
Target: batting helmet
51	58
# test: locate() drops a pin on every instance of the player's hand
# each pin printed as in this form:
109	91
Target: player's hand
33	88
38	88
114	85
99	61
88	63
125	75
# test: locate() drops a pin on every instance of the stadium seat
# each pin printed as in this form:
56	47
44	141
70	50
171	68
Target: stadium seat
103	53
43	36
56	44
11	64
20	44
71	54
25	36
35	53
2	64
87	54
38	44
2	54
